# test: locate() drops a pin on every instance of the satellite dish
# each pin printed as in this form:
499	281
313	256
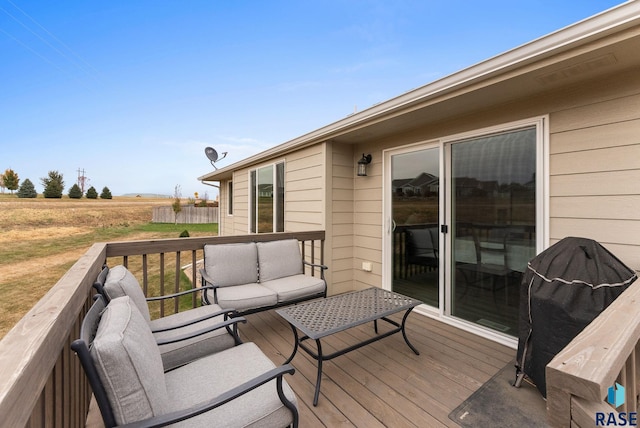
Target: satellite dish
212	155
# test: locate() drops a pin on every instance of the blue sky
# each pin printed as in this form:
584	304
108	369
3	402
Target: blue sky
133	91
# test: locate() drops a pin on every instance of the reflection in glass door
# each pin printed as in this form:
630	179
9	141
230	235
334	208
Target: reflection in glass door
415	230
493	225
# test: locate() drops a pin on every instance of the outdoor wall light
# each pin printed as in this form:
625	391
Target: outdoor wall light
362	165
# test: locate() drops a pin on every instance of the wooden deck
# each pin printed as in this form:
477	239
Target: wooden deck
385	383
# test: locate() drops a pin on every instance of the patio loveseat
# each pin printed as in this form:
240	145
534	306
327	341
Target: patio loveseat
252	277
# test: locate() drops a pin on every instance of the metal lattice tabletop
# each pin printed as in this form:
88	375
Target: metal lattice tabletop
323	317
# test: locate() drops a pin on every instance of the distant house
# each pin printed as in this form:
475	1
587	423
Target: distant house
543	139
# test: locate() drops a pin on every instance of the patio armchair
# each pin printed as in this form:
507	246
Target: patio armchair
182	337
237	387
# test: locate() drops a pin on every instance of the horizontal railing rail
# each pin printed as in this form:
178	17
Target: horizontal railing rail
604	353
41	382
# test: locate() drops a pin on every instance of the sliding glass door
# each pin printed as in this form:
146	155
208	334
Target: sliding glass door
464	218
493	225
415	188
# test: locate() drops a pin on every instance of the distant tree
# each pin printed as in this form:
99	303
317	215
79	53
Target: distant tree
92	193
2	182
75	192
10	180
106	193
53	185
177	203
27	190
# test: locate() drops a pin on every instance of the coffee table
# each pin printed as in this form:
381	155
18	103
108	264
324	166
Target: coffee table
324	317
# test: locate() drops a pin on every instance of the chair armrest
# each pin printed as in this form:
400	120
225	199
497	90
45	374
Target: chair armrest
323	267
206	279
178	294
225	397
207	284
228	313
314	265
186	336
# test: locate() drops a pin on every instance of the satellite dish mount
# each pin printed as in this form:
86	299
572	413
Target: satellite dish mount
212	155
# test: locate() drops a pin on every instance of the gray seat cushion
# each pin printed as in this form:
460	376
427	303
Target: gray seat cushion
128	362
217	373
247	296
121	282
231	264
295	287
179	353
278	259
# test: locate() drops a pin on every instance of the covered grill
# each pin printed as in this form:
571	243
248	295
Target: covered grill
564	288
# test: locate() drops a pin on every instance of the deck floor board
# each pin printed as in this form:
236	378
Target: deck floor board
384	383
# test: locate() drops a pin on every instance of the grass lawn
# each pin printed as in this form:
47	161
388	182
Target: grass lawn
40	239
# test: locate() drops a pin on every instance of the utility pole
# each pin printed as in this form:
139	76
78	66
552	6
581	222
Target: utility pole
82	179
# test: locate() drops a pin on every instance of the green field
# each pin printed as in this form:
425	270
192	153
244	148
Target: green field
40	239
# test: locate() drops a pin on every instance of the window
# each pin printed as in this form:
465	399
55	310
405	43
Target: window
230	196
267	199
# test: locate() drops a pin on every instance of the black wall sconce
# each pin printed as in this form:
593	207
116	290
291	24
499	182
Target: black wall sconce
362	165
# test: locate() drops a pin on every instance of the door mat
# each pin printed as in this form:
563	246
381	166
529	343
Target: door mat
499	404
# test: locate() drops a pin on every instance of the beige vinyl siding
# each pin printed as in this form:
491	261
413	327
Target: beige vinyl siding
367	228
240	219
595	171
304	190
340	209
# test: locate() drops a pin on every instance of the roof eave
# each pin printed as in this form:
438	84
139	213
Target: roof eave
612	20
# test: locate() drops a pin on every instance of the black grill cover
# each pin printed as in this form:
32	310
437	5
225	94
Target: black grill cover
563	289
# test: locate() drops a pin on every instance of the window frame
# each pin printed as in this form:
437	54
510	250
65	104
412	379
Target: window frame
278	195
230	198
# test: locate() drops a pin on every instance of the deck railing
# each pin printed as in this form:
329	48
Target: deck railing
41	382
605	352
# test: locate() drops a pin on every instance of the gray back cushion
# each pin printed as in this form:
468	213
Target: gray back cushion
120	282
231	264
128	362
277	259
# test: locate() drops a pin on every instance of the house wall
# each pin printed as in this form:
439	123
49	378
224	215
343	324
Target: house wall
594	177
340	220
304	193
594	167
306	200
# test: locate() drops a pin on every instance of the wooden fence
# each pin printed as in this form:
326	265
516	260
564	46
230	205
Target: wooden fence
187	215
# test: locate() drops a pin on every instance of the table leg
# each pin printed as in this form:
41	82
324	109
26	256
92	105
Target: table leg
404	333
317	393
295	344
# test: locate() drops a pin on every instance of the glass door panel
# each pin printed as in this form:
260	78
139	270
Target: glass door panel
414	212
493	225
